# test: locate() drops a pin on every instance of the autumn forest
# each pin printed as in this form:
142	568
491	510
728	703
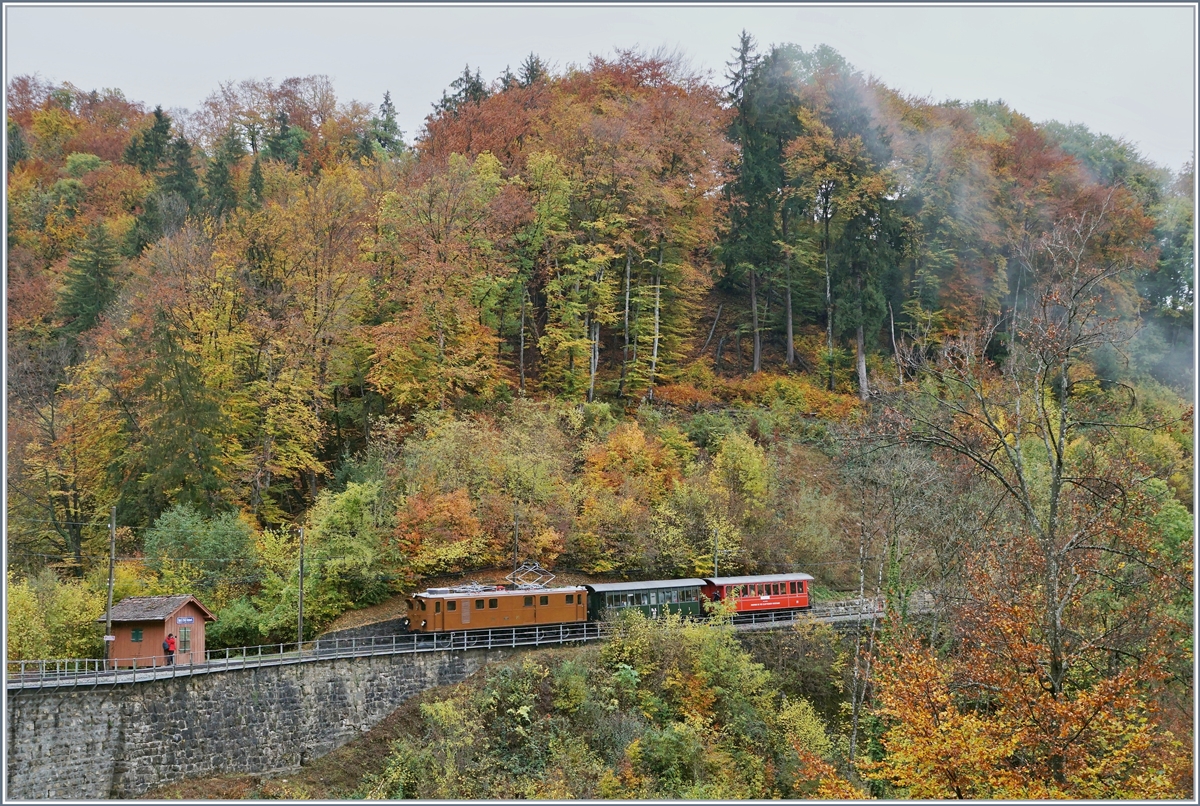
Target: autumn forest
630	321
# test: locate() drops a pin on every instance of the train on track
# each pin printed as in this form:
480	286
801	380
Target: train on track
475	607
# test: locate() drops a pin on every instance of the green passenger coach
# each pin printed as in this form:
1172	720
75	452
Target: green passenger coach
653	598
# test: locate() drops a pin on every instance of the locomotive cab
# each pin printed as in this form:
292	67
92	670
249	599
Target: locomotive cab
475	607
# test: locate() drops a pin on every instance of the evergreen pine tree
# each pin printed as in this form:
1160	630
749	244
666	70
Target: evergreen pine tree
90	282
533	69
148	148
286	142
256	183
18	149
384	128
218	181
467	89
180	176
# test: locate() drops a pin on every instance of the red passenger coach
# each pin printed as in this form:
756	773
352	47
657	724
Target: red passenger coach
758	593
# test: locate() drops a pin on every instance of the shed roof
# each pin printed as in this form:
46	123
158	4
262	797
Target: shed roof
154	608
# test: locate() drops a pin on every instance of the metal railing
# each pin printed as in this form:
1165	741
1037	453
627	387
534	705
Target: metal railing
28	674
36	674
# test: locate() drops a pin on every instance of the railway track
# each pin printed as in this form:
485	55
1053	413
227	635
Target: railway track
21	675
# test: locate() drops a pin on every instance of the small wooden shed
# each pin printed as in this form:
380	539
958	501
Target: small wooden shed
141	623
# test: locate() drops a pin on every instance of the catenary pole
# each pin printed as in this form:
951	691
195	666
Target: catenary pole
300	610
112	552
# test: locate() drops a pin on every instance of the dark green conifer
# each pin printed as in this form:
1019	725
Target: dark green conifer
285	143
148	148
180	175
256	183
90	282
218	181
18	149
385	129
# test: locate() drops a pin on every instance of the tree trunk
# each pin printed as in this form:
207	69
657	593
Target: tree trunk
625	349
791	346
712	329
895	349
757	364
657	311
860	356
521	360
828	306
591	395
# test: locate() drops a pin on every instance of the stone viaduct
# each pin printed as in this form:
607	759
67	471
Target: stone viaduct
119	741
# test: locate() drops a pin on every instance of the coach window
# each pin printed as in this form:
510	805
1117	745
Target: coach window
493	604
451	605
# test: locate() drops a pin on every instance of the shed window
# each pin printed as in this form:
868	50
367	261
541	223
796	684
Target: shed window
136	636
493	603
452	605
543	600
185	639
529	601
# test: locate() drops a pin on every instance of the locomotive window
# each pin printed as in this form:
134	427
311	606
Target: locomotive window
493	603
570	598
422	601
528	601
544	600
478	604
437	607
452	605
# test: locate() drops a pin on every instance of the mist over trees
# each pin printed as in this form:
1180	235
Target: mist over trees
628	320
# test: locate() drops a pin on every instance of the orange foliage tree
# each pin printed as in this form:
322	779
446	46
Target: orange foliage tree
1062	642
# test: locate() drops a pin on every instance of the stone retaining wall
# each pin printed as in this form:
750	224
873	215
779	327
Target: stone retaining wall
120	741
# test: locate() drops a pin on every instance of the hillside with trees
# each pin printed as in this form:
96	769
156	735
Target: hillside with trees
627	320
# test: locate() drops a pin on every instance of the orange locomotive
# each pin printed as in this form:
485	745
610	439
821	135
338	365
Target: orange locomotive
475	607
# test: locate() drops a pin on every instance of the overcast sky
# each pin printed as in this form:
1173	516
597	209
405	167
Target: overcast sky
1125	71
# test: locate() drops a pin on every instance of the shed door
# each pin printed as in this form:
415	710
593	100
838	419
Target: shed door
466	611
